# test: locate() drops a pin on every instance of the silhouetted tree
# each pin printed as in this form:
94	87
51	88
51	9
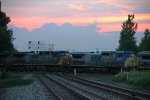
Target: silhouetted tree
145	41
6	35
127	40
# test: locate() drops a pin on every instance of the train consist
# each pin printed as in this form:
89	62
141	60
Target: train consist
105	58
64	58
42	57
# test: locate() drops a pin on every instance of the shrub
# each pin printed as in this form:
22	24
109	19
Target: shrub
137	78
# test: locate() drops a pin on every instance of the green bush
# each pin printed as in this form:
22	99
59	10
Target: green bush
15	82
137	78
120	77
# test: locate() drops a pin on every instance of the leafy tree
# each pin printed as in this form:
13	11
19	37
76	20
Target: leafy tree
145	41
127	40
6	35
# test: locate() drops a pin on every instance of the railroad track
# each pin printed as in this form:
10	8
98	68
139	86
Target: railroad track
68	92
82	94
90	89
56	96
127	93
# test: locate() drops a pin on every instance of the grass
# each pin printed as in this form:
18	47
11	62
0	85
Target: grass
15	82
106	77
10	80
136	78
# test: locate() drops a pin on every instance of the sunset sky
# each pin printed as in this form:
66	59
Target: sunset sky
108	15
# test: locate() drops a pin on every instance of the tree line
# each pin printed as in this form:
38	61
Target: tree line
6	35
127	40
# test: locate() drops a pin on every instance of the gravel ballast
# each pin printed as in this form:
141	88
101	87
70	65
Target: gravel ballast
33	91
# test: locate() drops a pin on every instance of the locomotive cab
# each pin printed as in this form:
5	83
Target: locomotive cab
121	57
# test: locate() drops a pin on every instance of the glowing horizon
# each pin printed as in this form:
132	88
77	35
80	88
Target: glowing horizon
106	23
108	14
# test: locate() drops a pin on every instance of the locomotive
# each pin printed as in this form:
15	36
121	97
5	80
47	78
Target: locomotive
105	58
64	58
42	57
144	59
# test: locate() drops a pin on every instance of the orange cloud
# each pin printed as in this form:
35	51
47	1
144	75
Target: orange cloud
112	23
142	27
117	27
108	27
79	6
30	23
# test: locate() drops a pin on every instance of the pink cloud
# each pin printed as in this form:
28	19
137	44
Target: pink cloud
79	6
29	22
107	23
108	27
142	27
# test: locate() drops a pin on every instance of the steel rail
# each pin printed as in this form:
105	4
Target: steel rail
49	89
80	94
118	90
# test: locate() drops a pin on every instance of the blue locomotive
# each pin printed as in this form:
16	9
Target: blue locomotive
121	56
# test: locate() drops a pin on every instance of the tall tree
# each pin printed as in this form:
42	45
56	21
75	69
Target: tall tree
145	41
127	40
6	35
